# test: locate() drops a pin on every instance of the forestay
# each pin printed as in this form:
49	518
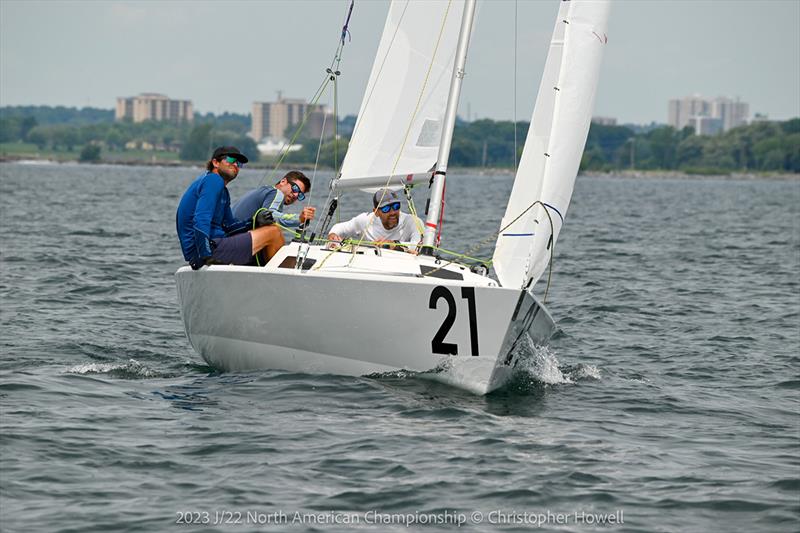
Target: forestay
554	145
400	121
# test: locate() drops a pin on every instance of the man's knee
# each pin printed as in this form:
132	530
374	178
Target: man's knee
265	236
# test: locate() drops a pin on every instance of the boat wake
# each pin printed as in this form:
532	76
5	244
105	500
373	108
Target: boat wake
132	369
535	366
539	364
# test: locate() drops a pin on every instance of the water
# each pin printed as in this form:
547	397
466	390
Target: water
668	401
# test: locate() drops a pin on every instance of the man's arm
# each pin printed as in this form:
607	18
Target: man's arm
207	198
233	226
348	229
410	235
274	202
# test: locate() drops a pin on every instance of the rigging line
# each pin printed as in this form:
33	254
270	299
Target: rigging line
335	147
501	230
337	58
300	126
285	148
345	31
336	168
319	151
419	102
515	86
311	193
413	209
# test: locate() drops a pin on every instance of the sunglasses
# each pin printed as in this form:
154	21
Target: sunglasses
232	161
395	206
300	195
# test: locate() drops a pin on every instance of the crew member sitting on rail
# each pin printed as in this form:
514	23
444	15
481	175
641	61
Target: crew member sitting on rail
207	229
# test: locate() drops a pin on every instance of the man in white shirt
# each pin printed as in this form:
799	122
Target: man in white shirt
385	225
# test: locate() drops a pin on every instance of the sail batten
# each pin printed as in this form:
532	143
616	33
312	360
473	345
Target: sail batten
551	156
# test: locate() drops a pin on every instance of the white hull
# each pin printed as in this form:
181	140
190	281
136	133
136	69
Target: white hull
361	314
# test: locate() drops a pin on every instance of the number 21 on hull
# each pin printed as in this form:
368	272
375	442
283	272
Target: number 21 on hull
438	344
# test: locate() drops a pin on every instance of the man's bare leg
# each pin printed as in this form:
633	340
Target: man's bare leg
268	239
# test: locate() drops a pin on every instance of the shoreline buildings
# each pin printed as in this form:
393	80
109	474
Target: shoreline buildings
271	120
153	106
707	116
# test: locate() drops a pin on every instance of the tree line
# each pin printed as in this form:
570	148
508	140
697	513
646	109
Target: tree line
66	129
761	146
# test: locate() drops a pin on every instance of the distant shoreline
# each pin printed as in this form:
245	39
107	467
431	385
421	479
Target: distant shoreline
480	171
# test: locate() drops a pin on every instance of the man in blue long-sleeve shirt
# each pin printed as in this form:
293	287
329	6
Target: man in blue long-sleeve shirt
207	229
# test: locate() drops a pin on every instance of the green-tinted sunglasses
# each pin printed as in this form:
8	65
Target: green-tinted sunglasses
233	161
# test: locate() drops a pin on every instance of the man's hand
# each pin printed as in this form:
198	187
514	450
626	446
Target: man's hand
391	245
333	241
264	218
307	214
198	262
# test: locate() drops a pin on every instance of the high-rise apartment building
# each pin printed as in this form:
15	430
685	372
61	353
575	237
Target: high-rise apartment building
681	111
152	106
272	119
731	113
705	125
686	112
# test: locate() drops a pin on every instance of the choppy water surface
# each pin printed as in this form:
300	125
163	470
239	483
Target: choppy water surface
668	401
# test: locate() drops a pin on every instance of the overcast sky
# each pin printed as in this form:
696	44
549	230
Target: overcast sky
225	55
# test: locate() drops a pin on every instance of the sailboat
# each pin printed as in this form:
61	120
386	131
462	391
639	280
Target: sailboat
375	310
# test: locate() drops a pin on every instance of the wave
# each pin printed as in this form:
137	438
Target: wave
541	364
132	369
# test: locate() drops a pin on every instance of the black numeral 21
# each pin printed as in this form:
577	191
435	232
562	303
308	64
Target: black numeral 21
437	343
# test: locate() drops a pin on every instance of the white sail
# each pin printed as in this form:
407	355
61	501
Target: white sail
554	145
399	125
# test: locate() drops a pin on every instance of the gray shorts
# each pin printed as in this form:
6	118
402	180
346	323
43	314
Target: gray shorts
235	250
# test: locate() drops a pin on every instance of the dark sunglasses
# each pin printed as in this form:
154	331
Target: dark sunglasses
300	195
395	206
232	161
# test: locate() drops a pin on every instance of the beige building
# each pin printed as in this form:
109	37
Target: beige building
679	112
272	119
705	125
152	106
732	113
690	111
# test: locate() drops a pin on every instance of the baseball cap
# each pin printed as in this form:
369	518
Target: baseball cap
385	196
231	151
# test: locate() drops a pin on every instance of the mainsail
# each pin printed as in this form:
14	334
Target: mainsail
399	125
556	138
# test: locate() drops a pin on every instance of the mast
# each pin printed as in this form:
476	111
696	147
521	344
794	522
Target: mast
437	188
